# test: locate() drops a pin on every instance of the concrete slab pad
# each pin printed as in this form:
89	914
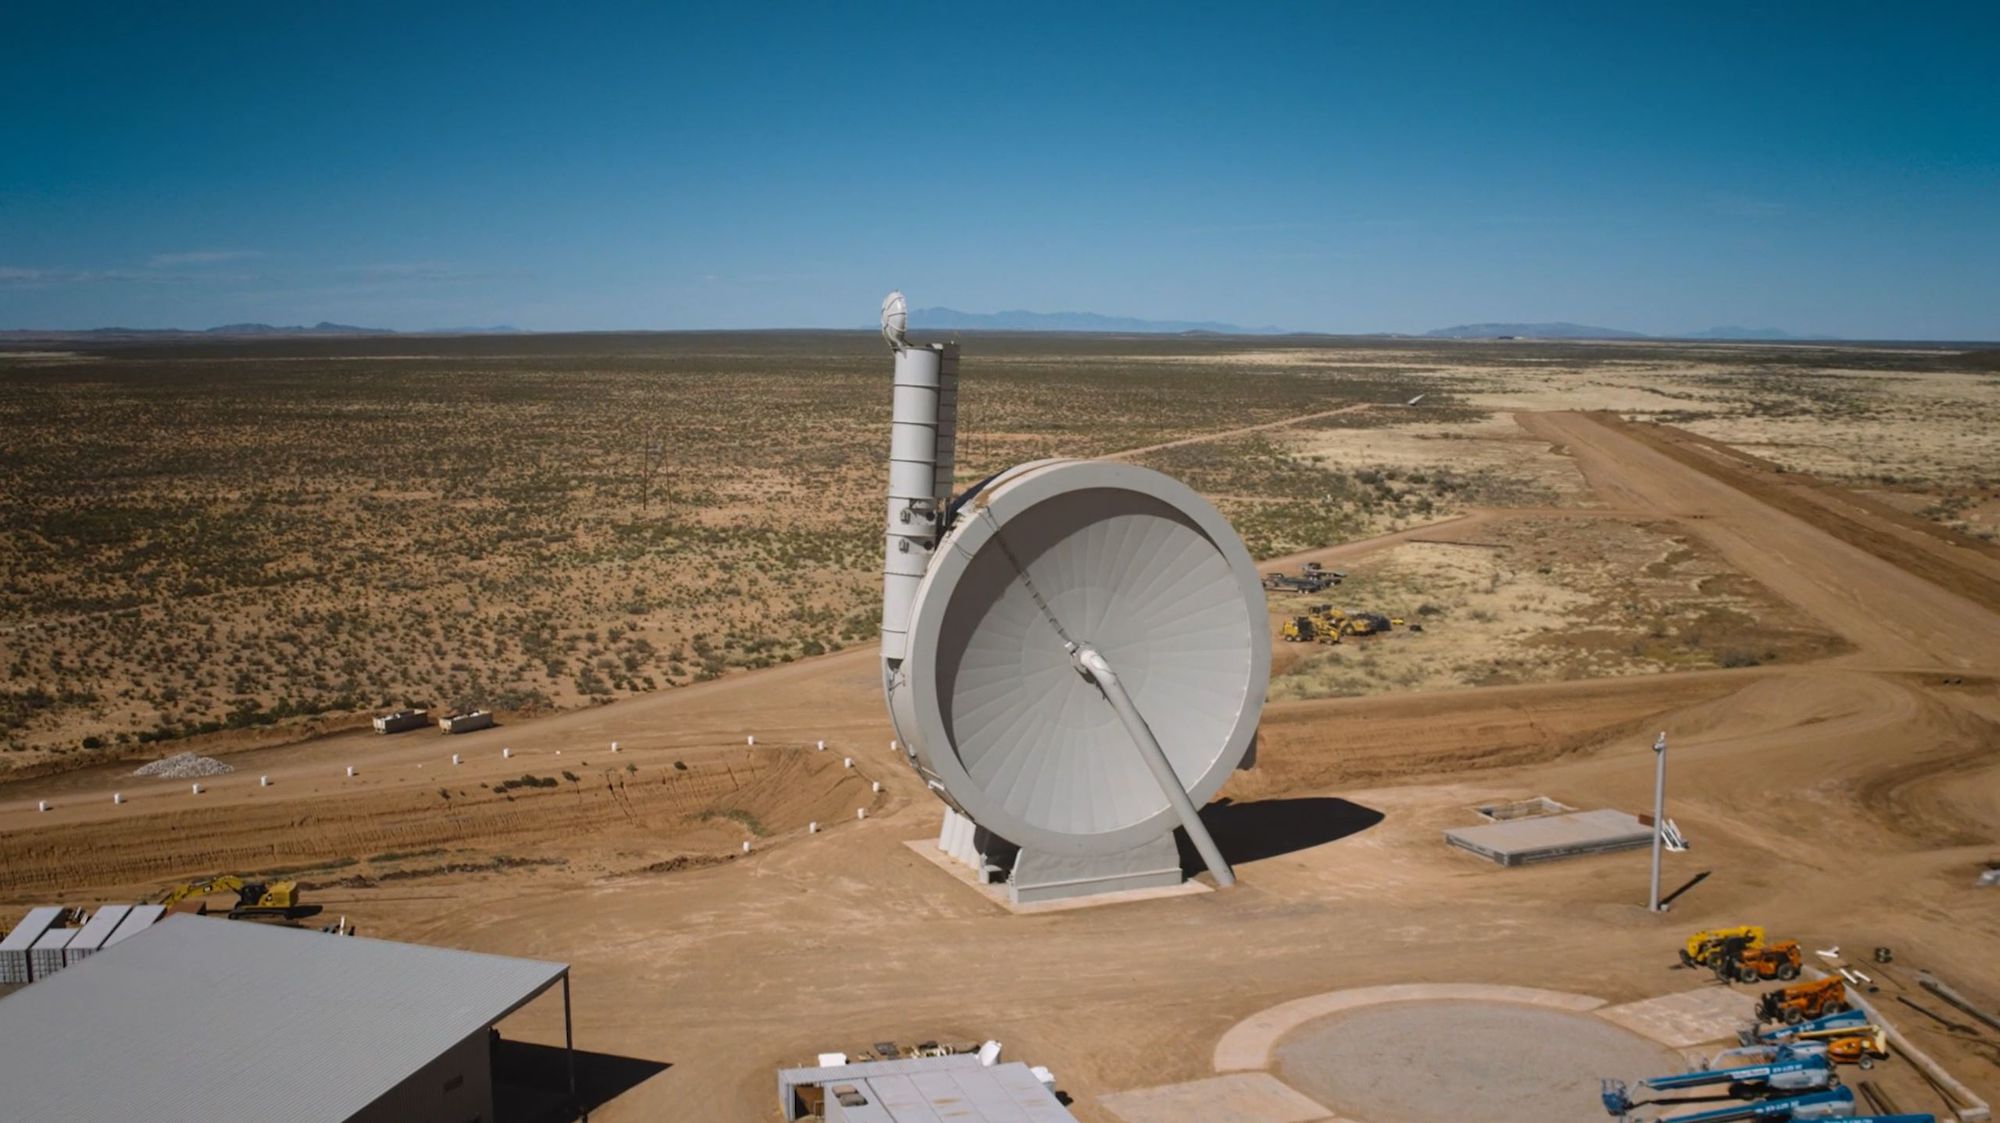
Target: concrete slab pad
1248	1044
1691	1017
1246	1097
1450	1062
926	848
1547	837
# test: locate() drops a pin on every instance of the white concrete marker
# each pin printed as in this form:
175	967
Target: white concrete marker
41	805
893	746
847	762
454	758
614	746
350	772
750	741
821	746
861	812
746	848
197	789
876	786
505	753
812	828
263	781
117	797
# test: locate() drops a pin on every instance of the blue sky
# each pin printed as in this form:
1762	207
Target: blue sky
1344	167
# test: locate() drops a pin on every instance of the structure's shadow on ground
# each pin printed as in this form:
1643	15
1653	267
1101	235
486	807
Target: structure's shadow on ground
1267	828
531	1082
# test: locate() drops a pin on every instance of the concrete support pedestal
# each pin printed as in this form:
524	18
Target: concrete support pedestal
1034	875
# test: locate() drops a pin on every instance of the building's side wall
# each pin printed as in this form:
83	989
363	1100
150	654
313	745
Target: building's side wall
467	1068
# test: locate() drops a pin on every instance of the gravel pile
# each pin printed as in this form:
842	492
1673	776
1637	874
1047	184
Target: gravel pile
184	766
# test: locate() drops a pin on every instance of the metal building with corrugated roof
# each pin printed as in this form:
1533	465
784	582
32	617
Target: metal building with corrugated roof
14	949
198	1020
959	1088
93	934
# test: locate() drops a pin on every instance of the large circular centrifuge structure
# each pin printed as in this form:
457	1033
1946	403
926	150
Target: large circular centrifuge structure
1075	654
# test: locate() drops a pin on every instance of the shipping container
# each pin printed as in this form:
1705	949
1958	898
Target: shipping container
14	949
46	957
95	931
138	920
466	723
402	720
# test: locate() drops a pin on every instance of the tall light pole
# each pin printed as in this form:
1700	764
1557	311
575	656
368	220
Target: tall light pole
1659	812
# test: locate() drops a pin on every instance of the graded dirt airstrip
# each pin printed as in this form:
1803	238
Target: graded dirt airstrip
1823	663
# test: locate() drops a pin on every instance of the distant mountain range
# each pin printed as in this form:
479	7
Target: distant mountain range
945	319
322	328
951	319
1531	331
1731	331
1585	331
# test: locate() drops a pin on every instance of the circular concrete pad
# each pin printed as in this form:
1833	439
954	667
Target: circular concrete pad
1447	1062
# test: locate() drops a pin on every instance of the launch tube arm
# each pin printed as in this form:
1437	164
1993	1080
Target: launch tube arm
1106	679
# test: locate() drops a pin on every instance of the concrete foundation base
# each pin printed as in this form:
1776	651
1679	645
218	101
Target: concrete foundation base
1002	896
1543	838
1035	877
1038	876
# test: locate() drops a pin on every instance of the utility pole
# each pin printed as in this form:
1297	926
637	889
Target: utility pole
1659	812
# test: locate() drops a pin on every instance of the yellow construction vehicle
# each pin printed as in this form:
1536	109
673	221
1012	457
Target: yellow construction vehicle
1803	1002
1861	1045
1367	624
1737	963
255	900
1705	945
1299	629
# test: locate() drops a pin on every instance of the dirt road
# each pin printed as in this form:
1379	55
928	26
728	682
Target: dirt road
1893	616
1244	431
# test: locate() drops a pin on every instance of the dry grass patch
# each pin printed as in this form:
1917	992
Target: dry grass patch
1548	599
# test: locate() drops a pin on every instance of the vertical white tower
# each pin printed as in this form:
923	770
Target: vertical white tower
912	512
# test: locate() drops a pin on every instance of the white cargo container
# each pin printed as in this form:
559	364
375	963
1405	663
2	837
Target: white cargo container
402	720
466	723
138	920
46	957
14	949
94	932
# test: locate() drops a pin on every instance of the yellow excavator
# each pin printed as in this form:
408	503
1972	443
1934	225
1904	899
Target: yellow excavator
255	900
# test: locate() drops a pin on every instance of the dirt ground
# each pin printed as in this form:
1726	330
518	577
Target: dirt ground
1844	794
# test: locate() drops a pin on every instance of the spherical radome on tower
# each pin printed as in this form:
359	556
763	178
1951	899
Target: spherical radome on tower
896	320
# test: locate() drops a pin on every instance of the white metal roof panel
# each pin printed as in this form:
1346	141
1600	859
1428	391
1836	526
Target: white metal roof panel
24	934
99	927
159	1027
1007	1093
55	939
138	920
900	1097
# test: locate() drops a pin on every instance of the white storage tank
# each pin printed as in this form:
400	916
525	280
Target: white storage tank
14	949
95	931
